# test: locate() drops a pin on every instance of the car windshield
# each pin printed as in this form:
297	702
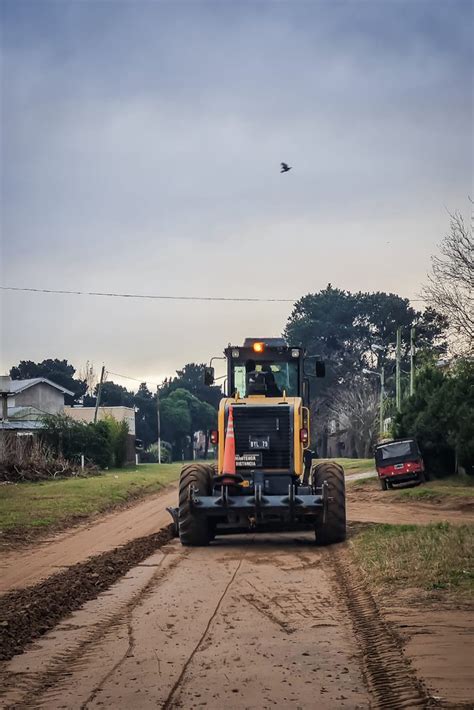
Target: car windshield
396	450
266	377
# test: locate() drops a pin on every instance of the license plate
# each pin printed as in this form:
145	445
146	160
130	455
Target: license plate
248	460
259	443
398	466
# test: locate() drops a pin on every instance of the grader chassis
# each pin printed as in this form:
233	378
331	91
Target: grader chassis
266	476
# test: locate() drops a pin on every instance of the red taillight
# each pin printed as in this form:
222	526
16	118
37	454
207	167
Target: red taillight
304	436
214	437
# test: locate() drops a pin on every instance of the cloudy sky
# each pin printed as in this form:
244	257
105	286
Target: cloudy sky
141	144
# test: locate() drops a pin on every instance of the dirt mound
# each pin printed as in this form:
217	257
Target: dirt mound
28	613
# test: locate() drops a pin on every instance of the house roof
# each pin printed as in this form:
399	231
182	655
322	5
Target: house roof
17	386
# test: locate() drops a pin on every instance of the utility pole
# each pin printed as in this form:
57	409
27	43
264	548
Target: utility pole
398	394
99	393
158	422
412	361
382	396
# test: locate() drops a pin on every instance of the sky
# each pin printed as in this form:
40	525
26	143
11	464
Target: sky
140	152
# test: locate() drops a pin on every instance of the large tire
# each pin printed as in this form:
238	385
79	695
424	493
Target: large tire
383	484
334	528
194	530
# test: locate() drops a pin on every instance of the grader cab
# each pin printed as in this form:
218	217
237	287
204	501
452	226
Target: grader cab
266	476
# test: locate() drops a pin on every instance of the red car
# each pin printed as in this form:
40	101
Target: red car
399	461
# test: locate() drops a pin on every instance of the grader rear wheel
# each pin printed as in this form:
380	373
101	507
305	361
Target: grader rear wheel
194	530
333	528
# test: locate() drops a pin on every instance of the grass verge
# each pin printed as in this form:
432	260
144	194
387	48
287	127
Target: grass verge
354	465
435	556
38	506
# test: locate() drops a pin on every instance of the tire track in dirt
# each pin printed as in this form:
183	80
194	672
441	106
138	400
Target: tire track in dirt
388	673
169	700
116	666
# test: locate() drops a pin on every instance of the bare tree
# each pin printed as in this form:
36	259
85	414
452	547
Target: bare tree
450	288
356	408
89	375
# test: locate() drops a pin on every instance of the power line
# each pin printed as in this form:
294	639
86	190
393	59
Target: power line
155	297
150	296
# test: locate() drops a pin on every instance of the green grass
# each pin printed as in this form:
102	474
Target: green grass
457	486
355	465
436	556
28	506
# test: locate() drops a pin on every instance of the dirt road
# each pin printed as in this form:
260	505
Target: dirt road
246	623
21	568
372	506
265	621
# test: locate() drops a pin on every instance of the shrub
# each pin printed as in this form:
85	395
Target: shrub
71	439
118	434
151	454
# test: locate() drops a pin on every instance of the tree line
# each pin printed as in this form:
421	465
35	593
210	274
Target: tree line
355	334
339	326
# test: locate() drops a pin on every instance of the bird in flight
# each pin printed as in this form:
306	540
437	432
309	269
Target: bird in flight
285	168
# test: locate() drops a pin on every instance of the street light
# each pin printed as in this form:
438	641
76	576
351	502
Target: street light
380	374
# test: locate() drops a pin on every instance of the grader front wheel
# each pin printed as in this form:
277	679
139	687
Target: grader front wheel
194	529
331	527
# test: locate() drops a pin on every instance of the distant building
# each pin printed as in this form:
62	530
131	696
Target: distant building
120	414
25	402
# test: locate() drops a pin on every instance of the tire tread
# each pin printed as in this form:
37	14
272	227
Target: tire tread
334	529
193	530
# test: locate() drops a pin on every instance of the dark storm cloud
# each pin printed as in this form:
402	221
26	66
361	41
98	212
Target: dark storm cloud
141	144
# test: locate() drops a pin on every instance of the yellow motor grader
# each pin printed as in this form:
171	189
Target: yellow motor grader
266	476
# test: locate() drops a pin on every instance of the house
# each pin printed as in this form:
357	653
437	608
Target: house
339	442
24	404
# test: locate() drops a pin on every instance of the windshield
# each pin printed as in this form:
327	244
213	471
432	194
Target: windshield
396	450
267	378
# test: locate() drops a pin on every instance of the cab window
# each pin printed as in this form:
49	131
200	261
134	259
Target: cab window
271	379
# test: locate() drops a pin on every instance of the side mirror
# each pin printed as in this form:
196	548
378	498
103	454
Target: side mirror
209	376
320	369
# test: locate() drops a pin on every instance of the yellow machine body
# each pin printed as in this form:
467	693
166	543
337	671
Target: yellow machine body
300	416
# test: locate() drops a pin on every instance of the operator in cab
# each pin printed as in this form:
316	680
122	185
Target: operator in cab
261	381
